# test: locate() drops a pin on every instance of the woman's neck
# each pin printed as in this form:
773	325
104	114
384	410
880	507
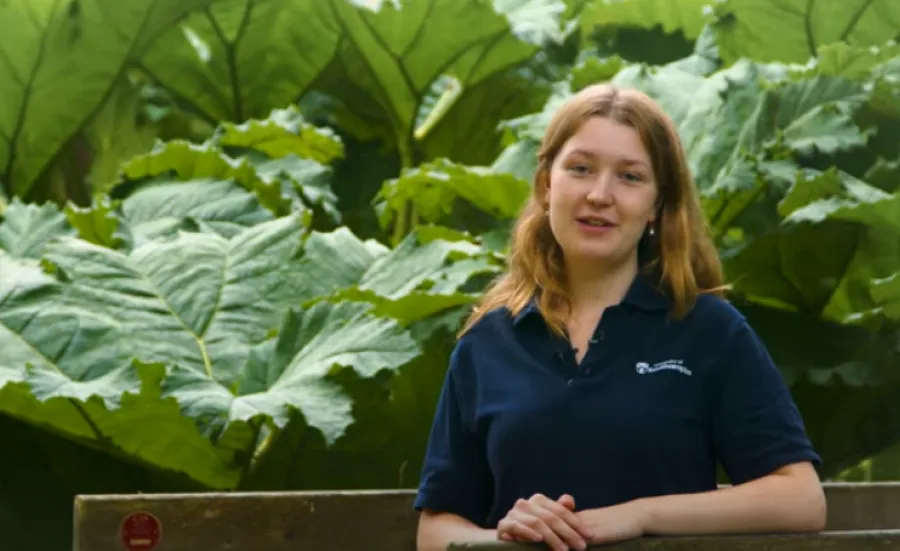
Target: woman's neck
591	288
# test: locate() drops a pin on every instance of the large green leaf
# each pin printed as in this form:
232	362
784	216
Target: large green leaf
795	268
157	208
198	300
66	368
189	161
36	334
239	59
117	133
806	116
855	62
886	294
20	279
284	132
80	47
884	175
302	181
282	160
686	16
434	187
531	127
162	207
26	229
331	262
790	120
427	273
383	447
464	127
762	30
423	276
98	223
396	51
294	371
747	27
877	254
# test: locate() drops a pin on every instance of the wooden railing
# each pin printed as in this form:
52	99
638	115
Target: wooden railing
879	540
860	517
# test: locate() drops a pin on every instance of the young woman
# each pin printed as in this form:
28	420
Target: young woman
595	389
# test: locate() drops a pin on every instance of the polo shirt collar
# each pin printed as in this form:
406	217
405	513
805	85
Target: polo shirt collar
641	294
645	295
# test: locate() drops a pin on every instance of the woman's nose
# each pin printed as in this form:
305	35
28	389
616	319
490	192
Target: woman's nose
601	188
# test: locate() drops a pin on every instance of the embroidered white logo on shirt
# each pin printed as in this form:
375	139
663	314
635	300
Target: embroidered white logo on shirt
644	368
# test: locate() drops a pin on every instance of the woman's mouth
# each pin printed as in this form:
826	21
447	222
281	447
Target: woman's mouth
595	225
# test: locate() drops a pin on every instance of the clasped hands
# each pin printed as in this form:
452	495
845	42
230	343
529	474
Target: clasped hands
541	519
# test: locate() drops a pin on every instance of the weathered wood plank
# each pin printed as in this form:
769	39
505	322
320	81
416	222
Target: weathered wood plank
270	521
862	506
276	521
832	541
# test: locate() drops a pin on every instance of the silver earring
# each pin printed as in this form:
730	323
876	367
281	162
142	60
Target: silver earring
652	231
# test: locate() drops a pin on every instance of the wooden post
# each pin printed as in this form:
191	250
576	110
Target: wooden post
861	516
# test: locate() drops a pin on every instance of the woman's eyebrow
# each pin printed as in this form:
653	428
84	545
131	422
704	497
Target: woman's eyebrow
622	160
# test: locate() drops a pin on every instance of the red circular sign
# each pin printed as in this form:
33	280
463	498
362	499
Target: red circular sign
140	531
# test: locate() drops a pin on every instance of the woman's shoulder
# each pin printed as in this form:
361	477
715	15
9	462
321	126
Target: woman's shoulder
490	324
714	314
488	328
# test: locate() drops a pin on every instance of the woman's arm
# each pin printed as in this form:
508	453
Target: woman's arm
455	485
437	530
789	500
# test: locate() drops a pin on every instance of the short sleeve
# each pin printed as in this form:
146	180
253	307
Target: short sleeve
757	427
455	475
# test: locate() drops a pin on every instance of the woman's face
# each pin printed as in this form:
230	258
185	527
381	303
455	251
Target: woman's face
602	193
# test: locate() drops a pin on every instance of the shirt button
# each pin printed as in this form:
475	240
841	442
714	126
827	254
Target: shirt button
570	382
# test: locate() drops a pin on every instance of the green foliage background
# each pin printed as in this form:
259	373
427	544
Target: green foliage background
237	236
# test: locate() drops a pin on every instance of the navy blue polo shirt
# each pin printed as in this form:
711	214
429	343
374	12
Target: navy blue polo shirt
651	409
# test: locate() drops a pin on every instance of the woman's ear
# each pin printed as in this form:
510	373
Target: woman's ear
543	178
542	188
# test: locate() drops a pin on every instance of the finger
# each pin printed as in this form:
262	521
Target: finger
567	501
566	531
506	536
535	523
567	515
513	527
510	529
550	513
563	523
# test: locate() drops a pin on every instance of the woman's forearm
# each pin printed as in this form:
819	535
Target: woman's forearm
437	530
790	501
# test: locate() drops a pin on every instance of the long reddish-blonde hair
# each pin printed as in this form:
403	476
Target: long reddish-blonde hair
681	255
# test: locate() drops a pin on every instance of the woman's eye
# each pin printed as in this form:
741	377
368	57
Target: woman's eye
632	177
579	169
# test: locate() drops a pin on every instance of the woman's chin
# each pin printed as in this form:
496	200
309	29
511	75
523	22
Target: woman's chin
592	252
